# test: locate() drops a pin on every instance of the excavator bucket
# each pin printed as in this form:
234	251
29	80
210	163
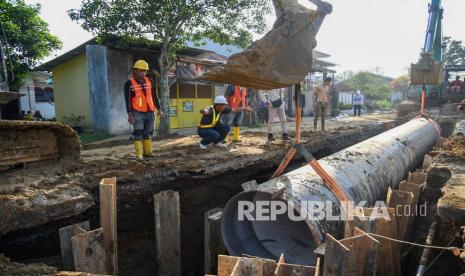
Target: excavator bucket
283	57
427	71
25	142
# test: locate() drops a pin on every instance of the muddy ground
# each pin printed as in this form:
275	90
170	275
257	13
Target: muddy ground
37	201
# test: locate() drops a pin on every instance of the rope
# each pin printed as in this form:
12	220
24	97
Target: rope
450	248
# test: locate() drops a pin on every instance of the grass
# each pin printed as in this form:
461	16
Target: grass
92	137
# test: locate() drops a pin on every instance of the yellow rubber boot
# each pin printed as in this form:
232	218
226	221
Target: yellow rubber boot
148	148
236	137
139	149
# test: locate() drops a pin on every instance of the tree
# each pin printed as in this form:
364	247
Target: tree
401	84
454	51
372	85
169	24
28	36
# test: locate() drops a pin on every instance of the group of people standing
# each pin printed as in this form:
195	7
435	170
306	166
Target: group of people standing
217	120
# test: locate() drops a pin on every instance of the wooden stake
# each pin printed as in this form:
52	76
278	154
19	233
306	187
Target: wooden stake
248	266
168	232
213	241
226	264
389	254
108	223
417	177
399	200
336	255
66	245
89	252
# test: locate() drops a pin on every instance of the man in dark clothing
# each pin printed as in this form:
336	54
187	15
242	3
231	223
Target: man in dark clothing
211	130
141	104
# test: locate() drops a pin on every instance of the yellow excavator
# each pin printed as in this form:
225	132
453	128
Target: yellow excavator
26	142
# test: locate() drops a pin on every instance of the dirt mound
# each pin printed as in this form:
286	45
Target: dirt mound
9	268
406	108
454	148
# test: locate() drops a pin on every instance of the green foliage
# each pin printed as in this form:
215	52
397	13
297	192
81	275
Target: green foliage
381	105
86	137
170	24
454	51
343	106
29	38
372	85
73	120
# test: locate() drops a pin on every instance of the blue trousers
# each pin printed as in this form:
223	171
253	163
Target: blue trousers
213	135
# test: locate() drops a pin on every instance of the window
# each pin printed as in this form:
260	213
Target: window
43	95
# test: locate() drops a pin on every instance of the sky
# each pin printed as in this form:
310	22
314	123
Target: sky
376	35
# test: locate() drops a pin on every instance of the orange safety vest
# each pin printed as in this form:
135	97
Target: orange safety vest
141	100
238	97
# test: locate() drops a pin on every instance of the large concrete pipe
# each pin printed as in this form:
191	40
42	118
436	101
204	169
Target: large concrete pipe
364	171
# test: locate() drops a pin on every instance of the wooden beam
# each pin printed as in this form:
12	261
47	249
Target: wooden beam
295	270
108	213
427	163
66	245
89	252
418	177
248	266
336	255
398	200
226	264
269	266
168	233
364	253
213	241
389	253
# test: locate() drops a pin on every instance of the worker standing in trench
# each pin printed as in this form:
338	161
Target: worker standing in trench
211	129
321	99
141	104
237	101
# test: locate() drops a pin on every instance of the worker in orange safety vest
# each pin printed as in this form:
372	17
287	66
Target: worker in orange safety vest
237	101
141	104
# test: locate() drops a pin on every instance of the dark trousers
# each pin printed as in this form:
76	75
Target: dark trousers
213	135
357	109
143	128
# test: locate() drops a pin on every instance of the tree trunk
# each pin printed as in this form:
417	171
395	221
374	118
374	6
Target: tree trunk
164	92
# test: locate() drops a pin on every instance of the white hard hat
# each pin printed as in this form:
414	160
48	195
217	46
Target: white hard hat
220	100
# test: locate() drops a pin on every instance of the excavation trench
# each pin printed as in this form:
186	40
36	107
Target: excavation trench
136	245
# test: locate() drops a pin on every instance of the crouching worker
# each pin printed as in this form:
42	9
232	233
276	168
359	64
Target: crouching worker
211	130
141	105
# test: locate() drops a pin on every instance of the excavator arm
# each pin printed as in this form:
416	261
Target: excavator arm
428	70
283	57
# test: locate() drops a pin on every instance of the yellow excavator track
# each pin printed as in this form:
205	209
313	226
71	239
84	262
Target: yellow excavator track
23	142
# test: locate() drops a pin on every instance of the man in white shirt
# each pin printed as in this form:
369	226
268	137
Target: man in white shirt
275	103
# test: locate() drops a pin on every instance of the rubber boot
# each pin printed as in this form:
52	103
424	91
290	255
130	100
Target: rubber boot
139	150
236	131
285	136
270	137
148	148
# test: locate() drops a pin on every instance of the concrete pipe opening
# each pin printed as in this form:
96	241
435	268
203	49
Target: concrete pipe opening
260	234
